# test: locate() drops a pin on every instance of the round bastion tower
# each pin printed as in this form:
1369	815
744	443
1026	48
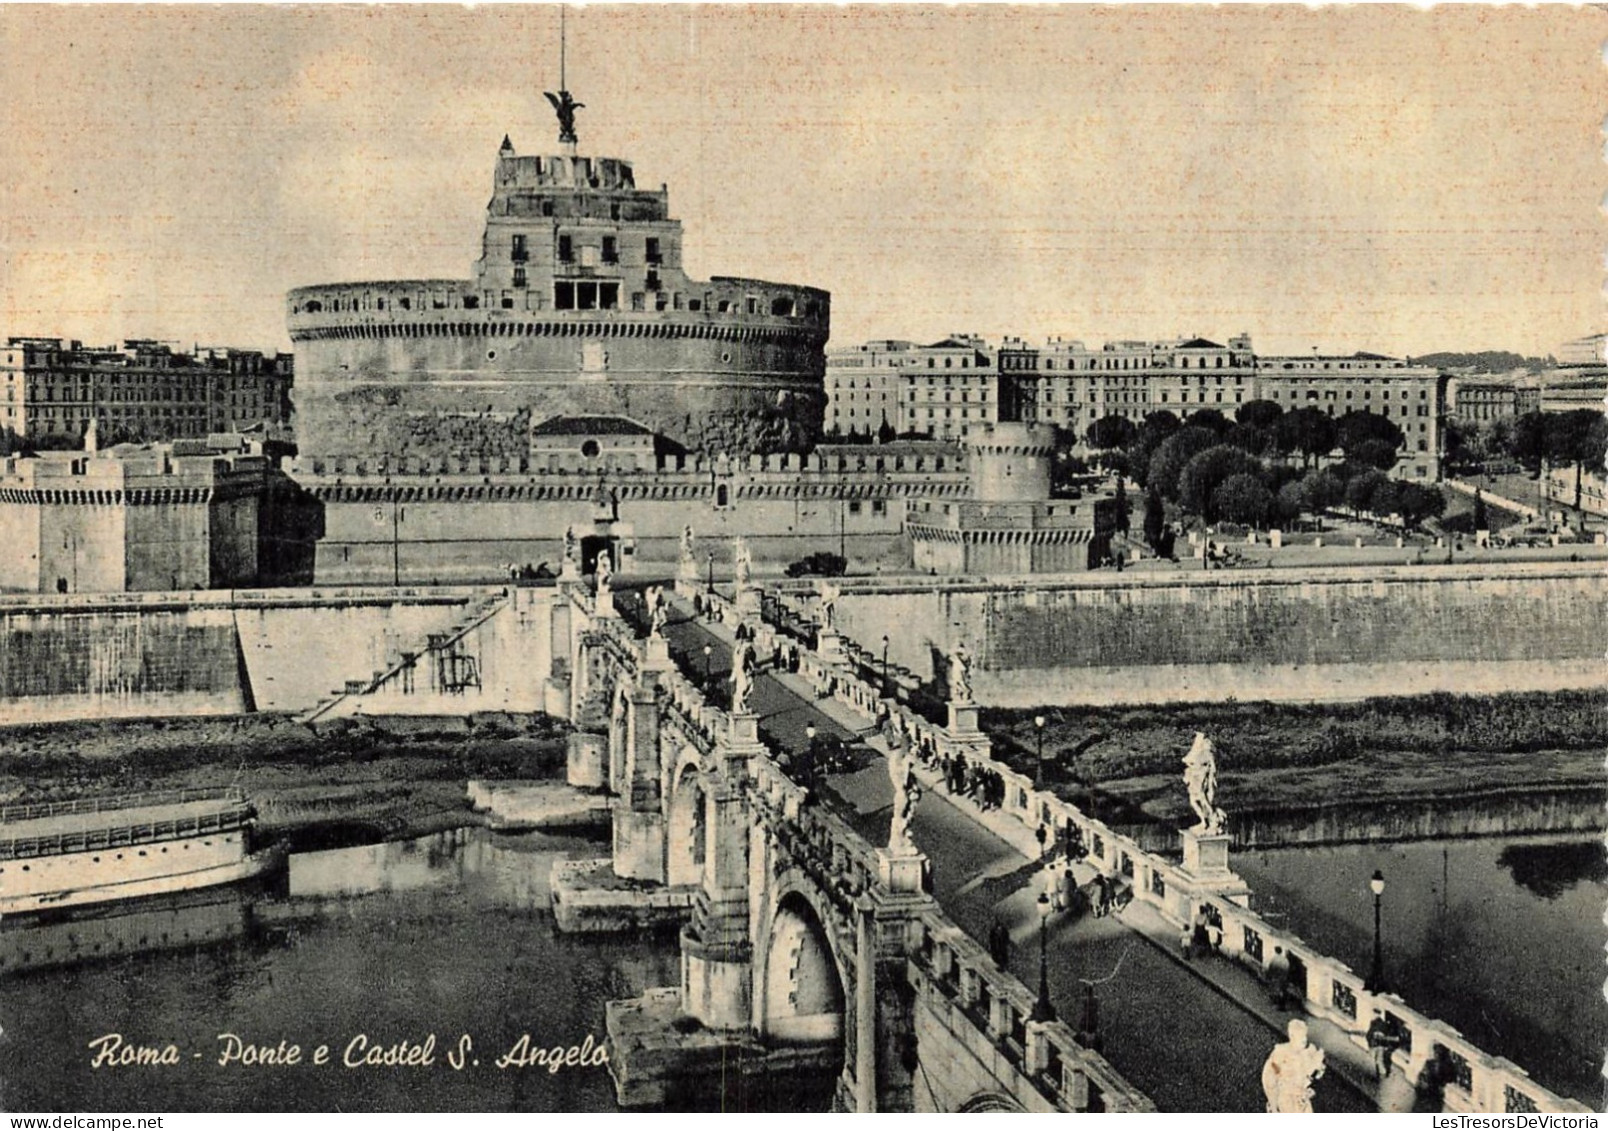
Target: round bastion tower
578	307
1010	462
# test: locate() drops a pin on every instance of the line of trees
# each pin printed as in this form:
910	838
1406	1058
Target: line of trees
1578	438
1258	469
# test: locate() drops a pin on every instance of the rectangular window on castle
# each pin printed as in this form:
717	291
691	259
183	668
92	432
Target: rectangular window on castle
608	296
611	250
586	296
563	296
653	255
520	252
566	250
519	277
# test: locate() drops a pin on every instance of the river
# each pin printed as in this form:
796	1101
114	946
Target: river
1500	937
440	937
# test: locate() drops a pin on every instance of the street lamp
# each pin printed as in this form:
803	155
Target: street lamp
710	588
809	754
1038	771
1376	976
708	679
884	666
1042	1009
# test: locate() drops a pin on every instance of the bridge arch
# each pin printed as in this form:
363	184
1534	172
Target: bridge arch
802	979
687	822
989	1101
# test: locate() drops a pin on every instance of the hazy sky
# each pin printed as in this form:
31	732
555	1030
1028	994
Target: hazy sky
1349	178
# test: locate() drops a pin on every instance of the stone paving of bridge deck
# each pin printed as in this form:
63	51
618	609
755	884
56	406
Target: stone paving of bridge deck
1191	1042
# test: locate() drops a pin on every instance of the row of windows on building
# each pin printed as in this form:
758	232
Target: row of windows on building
605	252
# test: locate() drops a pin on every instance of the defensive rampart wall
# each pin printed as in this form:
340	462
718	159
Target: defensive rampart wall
1300	635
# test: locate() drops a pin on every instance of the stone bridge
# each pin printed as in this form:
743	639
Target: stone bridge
805	946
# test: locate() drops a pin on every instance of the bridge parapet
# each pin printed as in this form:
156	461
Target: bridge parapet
987	1014
1328	988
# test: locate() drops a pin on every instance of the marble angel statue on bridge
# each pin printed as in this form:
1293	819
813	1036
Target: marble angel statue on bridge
689	558
828	594
742	559
960	662
605	570
658	610
1200	776
906	788
742	678
1289	1073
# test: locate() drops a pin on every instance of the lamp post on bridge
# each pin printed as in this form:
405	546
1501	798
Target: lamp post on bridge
708	651
885	693
1043	1010
1038	770
1376	976
710	588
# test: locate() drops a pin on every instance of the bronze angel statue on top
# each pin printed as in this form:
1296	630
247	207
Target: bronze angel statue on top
565	106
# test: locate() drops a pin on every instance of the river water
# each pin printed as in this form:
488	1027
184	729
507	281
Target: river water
444	936
1501	937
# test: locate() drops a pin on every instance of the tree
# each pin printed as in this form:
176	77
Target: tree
1528	441
1246	437
1122	506
1159	424
1291	501
1482	518
1155	520
1242	498
1361	489
1360	427
1205	472
1170	456
1112	432
1386	497
1374	453
1306	430
885	431
1575	437
1259	414
1208	418
1417	503
1323	489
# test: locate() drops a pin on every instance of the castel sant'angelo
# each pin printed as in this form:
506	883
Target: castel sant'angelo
578	306
581	382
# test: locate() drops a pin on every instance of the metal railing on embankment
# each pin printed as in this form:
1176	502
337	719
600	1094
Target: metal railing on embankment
125	835
31	811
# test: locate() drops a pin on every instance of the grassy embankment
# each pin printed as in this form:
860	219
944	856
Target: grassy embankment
1291	756
349	779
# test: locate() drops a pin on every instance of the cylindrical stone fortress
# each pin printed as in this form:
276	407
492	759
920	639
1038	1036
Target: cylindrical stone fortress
578	307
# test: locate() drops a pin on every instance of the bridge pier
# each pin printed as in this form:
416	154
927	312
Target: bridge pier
717	956
639	824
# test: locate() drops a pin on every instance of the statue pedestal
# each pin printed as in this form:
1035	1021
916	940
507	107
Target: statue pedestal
605	604
900	869
569	571
963	719
744	732
1206	862
829	646
748	603
656	654
1205	855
